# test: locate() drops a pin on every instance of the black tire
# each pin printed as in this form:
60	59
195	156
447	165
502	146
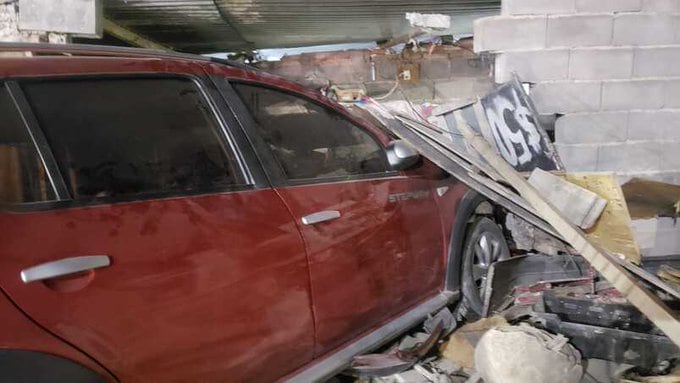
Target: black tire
484	245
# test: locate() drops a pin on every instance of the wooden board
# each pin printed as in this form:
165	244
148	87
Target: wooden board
613	230
649	199
648	303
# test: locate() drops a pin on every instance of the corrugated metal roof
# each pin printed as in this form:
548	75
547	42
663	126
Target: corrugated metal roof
227	25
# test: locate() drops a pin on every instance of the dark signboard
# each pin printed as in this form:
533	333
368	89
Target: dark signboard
516	131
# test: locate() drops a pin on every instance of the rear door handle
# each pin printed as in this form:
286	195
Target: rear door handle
320	216
64	267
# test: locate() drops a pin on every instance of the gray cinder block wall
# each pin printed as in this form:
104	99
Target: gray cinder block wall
610	70
447	74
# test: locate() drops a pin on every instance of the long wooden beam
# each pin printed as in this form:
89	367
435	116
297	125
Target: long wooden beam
122	33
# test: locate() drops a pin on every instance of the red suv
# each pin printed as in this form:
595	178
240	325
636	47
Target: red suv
169	217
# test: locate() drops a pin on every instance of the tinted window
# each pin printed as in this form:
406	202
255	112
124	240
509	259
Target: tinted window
128	137
310	141
22	175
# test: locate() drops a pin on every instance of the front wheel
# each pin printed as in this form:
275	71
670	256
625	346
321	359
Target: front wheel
484	245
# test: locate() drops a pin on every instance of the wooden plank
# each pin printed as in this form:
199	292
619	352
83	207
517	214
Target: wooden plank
131	37
581	206
648	303
649	277
473	154
613	231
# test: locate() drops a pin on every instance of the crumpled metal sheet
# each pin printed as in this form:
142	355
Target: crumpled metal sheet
203	26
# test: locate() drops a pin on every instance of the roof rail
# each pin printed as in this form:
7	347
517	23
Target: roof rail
112	51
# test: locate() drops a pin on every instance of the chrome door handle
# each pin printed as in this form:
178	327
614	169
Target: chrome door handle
320	216
64	267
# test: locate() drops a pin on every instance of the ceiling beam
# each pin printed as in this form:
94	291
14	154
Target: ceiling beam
118	31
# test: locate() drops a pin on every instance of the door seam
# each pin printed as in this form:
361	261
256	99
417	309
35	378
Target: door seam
309	270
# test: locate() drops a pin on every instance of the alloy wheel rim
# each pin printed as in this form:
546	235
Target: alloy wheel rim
487	250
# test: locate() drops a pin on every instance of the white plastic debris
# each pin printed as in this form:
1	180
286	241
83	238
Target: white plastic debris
524	354
429	20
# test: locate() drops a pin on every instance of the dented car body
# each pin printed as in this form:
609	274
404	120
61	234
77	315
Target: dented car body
172	218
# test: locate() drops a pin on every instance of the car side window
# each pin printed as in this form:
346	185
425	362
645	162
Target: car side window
310	141
22	175
130	137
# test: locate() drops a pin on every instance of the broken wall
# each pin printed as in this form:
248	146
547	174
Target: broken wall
609	70
448	73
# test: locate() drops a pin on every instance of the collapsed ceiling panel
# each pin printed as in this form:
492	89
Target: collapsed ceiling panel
227	25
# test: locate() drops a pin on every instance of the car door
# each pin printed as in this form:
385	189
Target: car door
190	270
373	235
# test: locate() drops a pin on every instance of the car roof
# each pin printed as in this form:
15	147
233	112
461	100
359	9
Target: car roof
109	51
85	51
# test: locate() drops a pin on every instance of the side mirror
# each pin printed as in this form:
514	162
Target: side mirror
402	156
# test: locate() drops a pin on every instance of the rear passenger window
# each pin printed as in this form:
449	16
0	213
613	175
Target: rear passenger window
132	137
22	175
308	140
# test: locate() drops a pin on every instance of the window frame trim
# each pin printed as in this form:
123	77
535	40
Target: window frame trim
270	163
39	141
52	168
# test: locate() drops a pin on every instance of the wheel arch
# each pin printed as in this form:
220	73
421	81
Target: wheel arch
467	208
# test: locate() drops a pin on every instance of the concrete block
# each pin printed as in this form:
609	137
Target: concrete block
461	66
420	92
533	66
82	17
578	158
536	7
501	33
435	69
580	206
591	128
595	6
462	88
378	88
644	29
668	153
672	93
601	63
657	61
386	69
579	30
629	157
633	94
566	96
654	125
657	237
661	5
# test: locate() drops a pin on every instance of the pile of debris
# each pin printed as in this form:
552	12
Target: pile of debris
572	296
